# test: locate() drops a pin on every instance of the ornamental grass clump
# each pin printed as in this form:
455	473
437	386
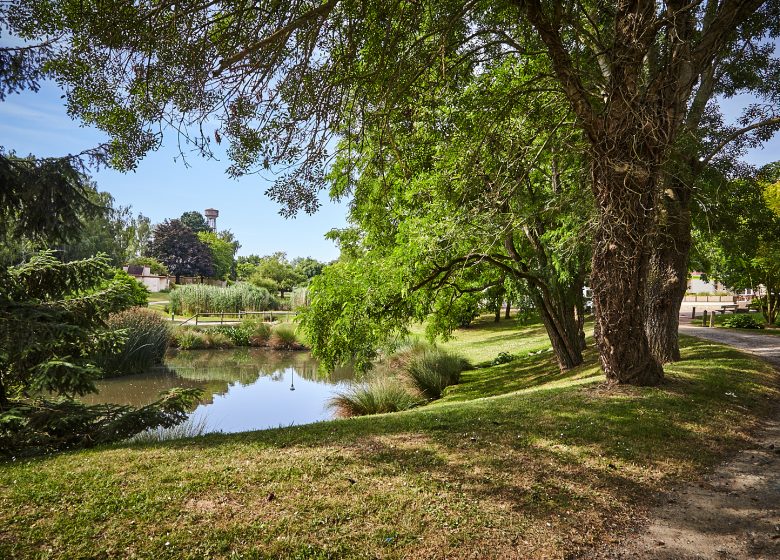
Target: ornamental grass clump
379	395
284	337
145	339
432	370
202	298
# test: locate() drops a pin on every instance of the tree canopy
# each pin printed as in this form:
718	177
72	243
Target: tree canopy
281	82
179	249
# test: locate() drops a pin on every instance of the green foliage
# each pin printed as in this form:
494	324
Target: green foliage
155	266
742	243
432	370
237	334
137	292
259	333
284	337
43	426
377	396
740	321
772	196
222	253
145	336
51	322
195	221
179	249
275	273
44	200
188	338
503	358
202	298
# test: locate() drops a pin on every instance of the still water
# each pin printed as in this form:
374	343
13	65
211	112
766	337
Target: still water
243	389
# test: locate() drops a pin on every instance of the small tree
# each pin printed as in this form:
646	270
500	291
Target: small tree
222	253
276	272
195	221
178	248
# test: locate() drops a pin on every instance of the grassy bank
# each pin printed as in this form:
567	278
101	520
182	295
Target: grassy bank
517	461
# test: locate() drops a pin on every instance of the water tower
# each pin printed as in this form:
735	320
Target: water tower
211	217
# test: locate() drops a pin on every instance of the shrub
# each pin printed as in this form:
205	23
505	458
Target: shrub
188	339
503	358
137	292
146	336
379	395
283	337
741	322
259	333
238	334
433	370
217	340
202	298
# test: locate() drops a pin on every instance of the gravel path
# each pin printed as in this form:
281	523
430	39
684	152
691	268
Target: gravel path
734	514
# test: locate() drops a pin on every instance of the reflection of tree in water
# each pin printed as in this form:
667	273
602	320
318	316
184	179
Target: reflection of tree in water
144	388
246	365
213	371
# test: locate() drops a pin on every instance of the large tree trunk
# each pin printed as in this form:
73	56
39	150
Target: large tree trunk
667	278
624	193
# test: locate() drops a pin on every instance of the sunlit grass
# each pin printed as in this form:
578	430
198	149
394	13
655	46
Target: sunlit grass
518	460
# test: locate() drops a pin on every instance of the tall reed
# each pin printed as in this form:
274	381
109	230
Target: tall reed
202	298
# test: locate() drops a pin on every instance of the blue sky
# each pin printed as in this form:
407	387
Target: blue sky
163	187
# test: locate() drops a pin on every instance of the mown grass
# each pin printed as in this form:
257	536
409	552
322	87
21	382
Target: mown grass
518	461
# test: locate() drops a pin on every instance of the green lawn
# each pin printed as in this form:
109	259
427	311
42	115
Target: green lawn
519	460
158	296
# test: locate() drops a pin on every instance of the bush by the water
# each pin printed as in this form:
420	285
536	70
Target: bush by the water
202	298
379	395
145	339
248	333
742	321
33	427
190	338
433	370
284	337
406	379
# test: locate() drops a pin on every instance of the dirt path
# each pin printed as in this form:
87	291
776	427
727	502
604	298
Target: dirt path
734	514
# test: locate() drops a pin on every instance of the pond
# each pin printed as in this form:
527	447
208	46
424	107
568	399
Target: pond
243	389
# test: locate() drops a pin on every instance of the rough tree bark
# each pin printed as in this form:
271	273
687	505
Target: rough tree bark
624	194
667	277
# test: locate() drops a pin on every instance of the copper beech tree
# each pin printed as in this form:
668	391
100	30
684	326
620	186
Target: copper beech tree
278	80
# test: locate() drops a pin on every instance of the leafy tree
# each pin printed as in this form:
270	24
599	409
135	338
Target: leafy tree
195	221
43	201
275	273
179	249
745	239
110	232
627	71
307	266
222	253
450	223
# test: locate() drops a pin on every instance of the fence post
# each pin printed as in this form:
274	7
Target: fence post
693	313
704	318
222	318
712	320
196	319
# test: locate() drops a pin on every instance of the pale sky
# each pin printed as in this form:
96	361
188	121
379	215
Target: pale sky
163	187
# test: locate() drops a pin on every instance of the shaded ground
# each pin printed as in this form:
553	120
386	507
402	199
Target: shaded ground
735	512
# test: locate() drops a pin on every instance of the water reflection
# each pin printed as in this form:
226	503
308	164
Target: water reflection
244	389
